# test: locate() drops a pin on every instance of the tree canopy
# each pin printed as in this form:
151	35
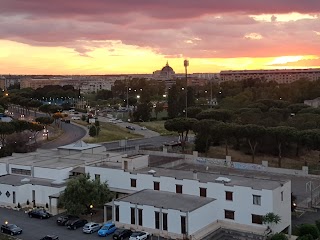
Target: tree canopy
81	192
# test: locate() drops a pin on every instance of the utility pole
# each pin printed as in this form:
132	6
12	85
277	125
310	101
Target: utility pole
127	95
186	64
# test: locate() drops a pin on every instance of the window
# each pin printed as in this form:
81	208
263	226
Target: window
156	186
256	200
178	188
256	219
21	171
140	217
157	220
229	196
282	196
133	215
97	177
117	213
229	214
183	225
133	182
165	221
203	192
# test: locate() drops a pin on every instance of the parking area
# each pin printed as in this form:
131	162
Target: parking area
34	228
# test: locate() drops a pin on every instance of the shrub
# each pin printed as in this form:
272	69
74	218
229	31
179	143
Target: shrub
318	224
311	229
305	237
279	236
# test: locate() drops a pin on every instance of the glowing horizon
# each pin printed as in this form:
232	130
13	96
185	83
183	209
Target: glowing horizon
94	37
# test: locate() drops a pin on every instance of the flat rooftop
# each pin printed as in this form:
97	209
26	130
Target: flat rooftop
239	179
19	180
54	159
167	200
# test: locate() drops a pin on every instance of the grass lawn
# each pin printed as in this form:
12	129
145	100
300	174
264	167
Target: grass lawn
157	126
110	132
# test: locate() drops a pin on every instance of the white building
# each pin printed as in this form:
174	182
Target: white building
165	213
239	199
195	202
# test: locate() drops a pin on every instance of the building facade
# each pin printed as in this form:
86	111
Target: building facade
277	75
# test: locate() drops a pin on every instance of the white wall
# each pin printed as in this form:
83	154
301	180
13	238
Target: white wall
202	217
281	208
149	217
19	167
24	193
3	169
242	202
52	173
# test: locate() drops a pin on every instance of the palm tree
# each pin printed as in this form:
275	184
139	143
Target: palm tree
271	219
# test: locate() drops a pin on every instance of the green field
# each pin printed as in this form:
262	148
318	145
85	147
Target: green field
157	126
111	132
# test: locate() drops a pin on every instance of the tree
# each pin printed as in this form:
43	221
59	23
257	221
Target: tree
223	131
253	134
159	108
143	112
5	130
203	136
216	114
281	135
306	229
271	219
182	126
81	192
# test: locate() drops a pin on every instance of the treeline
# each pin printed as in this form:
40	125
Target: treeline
265	126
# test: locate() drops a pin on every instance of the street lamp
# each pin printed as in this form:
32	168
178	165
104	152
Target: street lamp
91	206
186	64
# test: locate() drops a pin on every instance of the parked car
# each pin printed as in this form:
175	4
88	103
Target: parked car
39	213
11	229
107	228
130	127
139	236
50	237
76	223
143	128
62	220
121	234
91	227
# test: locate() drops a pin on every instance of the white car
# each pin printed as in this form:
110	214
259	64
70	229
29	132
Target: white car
91	227
143	128
139	236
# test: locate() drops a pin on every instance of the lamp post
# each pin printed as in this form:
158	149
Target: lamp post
186	64
91	206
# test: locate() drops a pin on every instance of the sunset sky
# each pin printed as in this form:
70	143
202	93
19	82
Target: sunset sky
140	36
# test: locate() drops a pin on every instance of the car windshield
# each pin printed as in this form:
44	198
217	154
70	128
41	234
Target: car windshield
11	226
135	234
118	231
106	227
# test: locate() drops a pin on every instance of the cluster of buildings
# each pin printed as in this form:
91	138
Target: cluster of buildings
94	83
161	199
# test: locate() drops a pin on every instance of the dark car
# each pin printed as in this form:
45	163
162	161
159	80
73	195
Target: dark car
11	229
39	213
121	233
50	237
62	220
130	127
76	223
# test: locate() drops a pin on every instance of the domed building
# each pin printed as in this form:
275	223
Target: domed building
165	73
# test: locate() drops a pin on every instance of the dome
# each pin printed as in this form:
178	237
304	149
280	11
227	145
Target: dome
167	70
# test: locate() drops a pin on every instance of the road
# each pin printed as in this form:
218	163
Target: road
72	133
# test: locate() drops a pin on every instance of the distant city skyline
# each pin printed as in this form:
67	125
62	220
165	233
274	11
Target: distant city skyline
126	37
